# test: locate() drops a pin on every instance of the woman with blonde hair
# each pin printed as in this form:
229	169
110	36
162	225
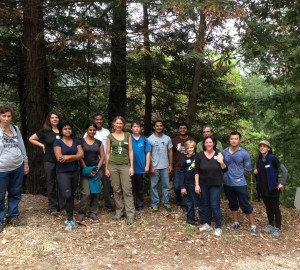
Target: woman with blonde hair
119	167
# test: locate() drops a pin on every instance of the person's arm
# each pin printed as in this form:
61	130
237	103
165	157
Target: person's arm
284	176
23	150
131	170
197	168
220	159
170	157
148	159
107	156
35	140
70	158
100	163
247	163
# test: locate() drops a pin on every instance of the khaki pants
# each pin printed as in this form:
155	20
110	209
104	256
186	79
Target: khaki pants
122	187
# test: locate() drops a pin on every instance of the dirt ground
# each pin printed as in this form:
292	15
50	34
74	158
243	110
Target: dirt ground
155	241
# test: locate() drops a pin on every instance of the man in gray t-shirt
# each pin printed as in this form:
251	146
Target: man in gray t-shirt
161	165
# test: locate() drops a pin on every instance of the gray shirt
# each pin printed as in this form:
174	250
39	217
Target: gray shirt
159	151
12	150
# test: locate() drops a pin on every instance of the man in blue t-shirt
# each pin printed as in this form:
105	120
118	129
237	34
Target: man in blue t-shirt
141	156
235	185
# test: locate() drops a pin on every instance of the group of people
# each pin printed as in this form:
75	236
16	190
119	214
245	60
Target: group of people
120	159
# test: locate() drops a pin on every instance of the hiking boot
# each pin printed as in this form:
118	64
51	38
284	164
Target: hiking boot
70	224
235	225
253	231
205	227
268	229
15	221
276	232
168	207
218	232
154	208
130	221
1	227
93	218
80	218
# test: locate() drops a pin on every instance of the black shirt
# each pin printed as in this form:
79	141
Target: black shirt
91	152
47	137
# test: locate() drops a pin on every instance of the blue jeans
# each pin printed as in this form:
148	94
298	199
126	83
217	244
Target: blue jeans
163	175
211	202
177	180
11	182
193	201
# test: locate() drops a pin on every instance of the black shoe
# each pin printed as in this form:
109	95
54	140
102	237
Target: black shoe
1	227
109	209
15	221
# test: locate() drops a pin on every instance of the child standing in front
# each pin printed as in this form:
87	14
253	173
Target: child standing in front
188	183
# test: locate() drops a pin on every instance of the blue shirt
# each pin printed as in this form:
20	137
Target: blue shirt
237	162
140	147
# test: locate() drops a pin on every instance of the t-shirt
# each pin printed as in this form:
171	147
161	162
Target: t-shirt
140	147
101	135
209	170
48	137
67	150
179	151
91	152
159	151
188	165
237	162
200	146
12	150
119	150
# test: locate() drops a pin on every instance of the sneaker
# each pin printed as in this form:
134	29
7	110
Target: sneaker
1	227
276	232
70	224
154	208
93	217
218	232
130	221
268	229
205	227
253	230
235	225
15	221
168	207
80	218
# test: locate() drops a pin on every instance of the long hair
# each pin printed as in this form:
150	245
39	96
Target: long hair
114	121
47	124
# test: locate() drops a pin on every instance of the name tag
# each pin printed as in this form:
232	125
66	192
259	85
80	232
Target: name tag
188	161
215	157
57	137
125	142
267	166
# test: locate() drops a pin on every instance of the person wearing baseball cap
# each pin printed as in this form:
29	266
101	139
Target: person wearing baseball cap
267	166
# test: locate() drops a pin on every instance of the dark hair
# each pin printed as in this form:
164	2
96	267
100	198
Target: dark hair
138	123
208	126
183	124
5	109
91	123
98	114
47	124
269	151
213	139
235	133
157	121
64	123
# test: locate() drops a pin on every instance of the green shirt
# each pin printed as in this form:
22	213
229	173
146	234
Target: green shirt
119	149
200	148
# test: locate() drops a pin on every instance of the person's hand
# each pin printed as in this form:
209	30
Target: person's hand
146	169
107	173
280	187
170	169
153	171
220	158
197	189
183	191
255	171
26	169
131	171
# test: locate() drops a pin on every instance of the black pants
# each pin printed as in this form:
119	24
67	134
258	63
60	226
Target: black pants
67	184
55	199
138	190
273	211
106	188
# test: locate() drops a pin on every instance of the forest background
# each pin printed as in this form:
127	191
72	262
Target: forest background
232	64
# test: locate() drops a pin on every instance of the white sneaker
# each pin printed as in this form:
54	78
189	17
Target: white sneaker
218	232
205	227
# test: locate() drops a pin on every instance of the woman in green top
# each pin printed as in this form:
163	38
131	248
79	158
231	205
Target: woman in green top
119	167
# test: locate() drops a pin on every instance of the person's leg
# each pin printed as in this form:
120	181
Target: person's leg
134	189
85	195
215	194
232	201
154	178
177	178
50	172
94	200
276	210
106	183
4	180
270	213
117	188
14	191
205	197
127	191
139	191
243	198
190	188
165	185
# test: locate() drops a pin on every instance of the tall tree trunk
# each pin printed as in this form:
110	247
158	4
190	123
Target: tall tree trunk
37	88
117	95
148	73
194	93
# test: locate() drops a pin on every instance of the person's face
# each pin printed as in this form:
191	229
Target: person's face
234	140
5	118
209	144
159	127
118	125
263	149
91	131
98	121
182	130
136	129
190	150
206	132
54	120
66	131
